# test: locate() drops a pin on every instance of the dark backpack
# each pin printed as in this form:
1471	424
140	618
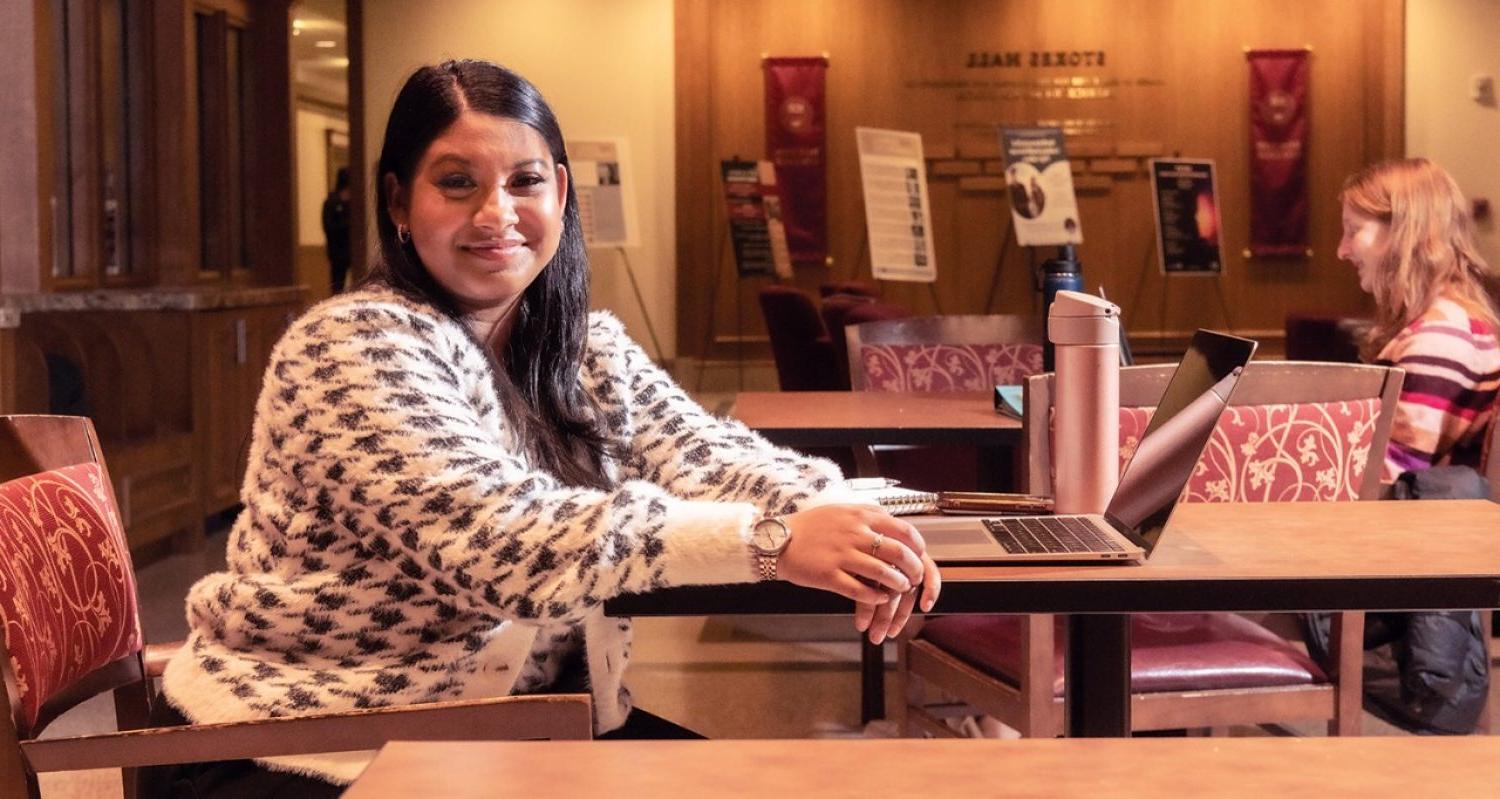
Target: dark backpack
1425	672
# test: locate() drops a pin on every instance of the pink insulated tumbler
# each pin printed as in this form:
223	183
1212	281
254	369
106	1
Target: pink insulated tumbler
1085	334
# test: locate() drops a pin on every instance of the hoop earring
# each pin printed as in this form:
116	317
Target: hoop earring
403	234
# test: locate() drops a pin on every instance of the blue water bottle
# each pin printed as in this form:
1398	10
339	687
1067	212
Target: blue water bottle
1062	273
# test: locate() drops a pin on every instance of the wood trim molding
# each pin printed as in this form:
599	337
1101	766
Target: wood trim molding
695	165
359	187
24	226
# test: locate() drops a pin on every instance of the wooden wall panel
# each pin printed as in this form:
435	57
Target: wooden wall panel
1191	52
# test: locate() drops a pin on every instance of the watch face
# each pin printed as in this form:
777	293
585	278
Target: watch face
768	536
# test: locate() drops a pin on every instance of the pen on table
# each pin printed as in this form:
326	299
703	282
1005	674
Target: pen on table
869	483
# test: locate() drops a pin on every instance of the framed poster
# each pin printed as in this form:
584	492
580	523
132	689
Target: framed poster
602	180
1186	207
1039	182
754	208
898	216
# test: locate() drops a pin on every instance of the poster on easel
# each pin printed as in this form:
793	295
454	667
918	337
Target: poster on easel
1039	182
602	181
898	214
756	229
1187	216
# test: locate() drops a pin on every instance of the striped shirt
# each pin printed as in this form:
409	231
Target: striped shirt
1452	364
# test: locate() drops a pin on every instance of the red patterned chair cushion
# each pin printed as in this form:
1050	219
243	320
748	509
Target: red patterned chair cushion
1258	453
1308	452
947	367
67	592
1169	652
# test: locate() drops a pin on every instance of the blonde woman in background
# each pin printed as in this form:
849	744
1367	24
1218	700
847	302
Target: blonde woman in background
1406	230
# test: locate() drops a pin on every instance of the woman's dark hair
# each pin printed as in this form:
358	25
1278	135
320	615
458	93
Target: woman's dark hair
557	421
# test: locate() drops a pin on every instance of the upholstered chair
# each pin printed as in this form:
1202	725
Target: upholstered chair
1294	432
840	310
942	353
799	345
72	630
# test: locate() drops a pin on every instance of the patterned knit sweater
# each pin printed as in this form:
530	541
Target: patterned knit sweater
396	547
1452	364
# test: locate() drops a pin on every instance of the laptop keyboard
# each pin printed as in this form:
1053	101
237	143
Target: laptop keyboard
1049	534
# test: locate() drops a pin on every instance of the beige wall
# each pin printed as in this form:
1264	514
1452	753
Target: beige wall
313	125
1448	42
606	69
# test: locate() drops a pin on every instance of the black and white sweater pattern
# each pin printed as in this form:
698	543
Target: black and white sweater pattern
396	546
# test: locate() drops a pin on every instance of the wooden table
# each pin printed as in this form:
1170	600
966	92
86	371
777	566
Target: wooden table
1430	555
870	418
849	418
1138	768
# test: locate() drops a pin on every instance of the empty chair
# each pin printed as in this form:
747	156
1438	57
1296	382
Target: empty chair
799	345
1293	432
839	311
941	353
855	287
73	630
1314	337
944	353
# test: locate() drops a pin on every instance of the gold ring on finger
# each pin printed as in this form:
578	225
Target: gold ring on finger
875	545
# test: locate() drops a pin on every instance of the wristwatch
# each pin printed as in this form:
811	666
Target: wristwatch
768	538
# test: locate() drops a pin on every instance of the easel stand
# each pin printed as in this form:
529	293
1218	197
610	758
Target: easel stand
1140	285
708	319
1005	238
866	258
641	302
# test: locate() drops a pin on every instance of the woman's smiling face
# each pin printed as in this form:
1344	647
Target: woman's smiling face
485	210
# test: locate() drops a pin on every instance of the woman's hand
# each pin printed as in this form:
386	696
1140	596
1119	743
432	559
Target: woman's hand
865	554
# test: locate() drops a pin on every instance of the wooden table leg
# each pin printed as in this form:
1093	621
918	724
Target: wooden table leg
872	681
1097	692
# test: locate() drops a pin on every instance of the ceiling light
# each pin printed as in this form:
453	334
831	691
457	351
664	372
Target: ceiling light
325	43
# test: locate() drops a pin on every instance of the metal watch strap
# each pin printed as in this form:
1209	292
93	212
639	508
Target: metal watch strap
765	562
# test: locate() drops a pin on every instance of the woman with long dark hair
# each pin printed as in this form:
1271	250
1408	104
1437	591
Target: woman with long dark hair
455	464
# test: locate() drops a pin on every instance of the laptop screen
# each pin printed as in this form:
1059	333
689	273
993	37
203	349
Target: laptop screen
1179	430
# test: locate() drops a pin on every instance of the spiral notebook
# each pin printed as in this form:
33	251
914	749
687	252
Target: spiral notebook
902	501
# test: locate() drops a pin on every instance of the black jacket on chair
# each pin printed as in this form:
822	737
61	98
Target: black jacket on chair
1424	672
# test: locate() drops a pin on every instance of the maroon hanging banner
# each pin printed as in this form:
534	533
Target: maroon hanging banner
1278	152
796	144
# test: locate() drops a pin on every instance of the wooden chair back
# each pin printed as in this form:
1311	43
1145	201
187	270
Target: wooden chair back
1491	461
67	588
1292	397
72	630
943	353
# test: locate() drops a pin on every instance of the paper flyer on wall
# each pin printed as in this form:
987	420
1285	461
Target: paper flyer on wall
1039	181
754	209
603	183
898	217
1187	216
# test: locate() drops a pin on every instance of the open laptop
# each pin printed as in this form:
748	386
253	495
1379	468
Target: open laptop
1149	488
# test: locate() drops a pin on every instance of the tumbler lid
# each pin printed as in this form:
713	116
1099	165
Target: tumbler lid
1078	318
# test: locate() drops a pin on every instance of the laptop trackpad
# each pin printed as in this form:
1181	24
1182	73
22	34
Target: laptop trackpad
966	535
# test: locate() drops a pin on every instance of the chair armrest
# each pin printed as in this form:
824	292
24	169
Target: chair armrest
541	717
155	657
